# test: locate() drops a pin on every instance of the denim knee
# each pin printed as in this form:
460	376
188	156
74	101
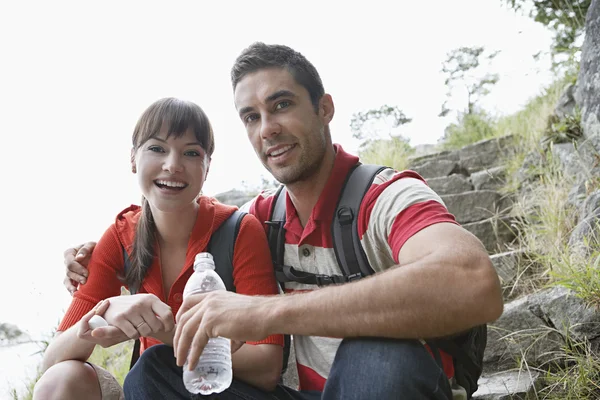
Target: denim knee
381	368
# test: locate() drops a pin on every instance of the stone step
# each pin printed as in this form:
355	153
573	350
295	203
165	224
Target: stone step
486	153
439	156
452	184
495	233
475	205
437	168
508	385
489	178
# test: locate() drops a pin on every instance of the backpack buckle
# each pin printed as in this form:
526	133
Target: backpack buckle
354	277
345	215
323	280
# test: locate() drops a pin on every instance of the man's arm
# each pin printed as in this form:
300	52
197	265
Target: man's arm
445	284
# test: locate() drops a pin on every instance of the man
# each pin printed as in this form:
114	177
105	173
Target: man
433	278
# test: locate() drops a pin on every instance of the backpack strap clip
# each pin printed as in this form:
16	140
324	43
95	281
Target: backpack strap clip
345	215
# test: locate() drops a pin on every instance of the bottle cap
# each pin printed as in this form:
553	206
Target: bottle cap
206	259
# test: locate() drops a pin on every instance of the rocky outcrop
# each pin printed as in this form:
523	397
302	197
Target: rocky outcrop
468	181
588	82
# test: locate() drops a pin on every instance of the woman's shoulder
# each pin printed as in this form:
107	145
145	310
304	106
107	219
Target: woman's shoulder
125	223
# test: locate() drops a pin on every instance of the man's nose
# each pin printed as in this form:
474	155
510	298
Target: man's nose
269	127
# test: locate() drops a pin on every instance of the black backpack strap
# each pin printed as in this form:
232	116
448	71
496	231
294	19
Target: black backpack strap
222	247
276	231
344	228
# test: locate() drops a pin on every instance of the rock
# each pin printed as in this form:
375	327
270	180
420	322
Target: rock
417	160
566	103
567	313
493	232
489	178
586	235
519	334
588	81
235	197
437	168
473	206
508	385
450	184
507	265
486	153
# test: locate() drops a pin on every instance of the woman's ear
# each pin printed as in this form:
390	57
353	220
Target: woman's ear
132	159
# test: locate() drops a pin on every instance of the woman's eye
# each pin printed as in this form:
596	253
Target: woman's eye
192	153
156	149
282	104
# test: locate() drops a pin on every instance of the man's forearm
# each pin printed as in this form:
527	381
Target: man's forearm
420	300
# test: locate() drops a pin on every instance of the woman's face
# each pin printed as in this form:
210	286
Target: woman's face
171	172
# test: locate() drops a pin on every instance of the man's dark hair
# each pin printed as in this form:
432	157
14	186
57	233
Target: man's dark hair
260	56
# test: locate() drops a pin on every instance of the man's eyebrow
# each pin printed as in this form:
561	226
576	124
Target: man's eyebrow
245	110
270	98
280	93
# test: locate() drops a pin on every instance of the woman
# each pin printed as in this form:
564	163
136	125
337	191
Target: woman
172	148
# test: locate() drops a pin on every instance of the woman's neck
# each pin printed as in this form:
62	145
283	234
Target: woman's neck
174	228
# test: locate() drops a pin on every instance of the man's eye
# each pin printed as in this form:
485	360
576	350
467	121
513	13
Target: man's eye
156	149
250	118
282	104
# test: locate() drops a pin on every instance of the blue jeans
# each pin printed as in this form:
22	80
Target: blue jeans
364	368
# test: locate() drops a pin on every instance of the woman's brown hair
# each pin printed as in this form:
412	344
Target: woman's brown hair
176	116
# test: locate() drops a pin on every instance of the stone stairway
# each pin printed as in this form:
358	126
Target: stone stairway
469	181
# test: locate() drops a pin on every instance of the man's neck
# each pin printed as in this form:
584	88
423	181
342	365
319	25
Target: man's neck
174	228
305	194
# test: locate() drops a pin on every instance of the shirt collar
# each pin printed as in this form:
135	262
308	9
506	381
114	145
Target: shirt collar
325	207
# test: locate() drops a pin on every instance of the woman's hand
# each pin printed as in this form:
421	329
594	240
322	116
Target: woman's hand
106	336
138	315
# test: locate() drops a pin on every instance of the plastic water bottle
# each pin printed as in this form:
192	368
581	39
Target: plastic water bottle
213	372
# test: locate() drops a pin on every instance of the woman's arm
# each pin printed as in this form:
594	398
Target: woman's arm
77	342
258	364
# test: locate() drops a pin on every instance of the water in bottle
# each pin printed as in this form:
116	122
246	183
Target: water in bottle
213	372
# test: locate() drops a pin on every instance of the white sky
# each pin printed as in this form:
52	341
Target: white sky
74	78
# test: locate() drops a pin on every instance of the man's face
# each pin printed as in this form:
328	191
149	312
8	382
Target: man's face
287	134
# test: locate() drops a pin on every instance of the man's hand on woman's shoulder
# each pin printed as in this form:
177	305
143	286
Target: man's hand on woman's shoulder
76	261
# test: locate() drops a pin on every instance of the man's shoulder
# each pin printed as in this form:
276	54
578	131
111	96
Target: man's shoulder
392	182
261	205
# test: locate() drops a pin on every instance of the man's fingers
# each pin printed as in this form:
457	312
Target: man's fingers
198	343
70	252
70	285
85	250
72	276
188	303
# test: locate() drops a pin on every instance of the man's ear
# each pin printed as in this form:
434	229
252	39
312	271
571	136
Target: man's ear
132	159
326	108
